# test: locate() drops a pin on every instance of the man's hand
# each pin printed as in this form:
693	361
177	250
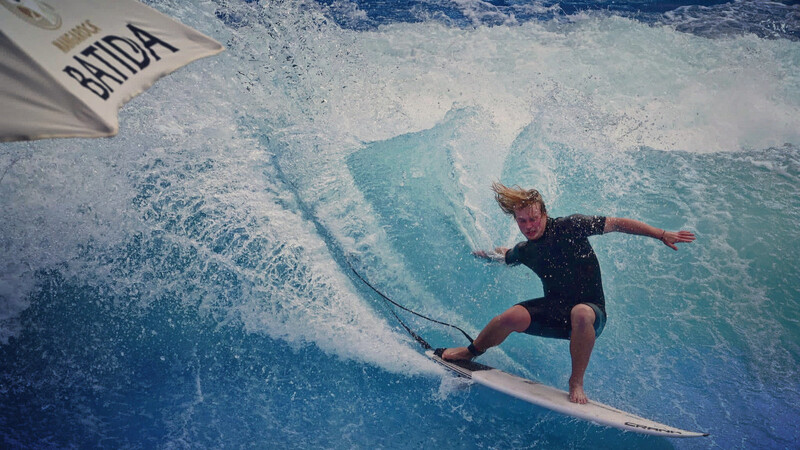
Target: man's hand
670	238
498	254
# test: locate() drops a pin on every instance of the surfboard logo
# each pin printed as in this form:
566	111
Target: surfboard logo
34	12
648	428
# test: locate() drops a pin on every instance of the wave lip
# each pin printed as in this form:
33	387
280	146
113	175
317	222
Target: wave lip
765	19
713	19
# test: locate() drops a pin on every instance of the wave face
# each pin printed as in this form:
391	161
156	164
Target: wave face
188	284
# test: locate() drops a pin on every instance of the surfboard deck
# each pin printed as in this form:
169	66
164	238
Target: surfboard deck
558	400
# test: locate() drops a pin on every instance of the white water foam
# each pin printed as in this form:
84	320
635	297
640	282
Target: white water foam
296	90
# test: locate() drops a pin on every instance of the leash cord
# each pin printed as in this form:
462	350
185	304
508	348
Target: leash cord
412	333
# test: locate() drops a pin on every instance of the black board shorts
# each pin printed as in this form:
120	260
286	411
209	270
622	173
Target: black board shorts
550	317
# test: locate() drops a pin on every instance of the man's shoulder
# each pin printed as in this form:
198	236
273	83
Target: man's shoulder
566	221
579	223
574	217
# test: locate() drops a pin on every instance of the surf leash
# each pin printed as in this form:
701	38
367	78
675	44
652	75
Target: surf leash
416	337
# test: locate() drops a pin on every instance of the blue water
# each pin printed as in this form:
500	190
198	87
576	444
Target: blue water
186	283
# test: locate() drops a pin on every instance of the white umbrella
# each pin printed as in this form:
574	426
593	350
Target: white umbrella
67	66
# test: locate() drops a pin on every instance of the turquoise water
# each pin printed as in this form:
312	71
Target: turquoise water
186	283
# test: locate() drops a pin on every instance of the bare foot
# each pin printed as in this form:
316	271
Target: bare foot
457	354
576	394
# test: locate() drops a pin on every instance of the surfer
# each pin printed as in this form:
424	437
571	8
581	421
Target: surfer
559	252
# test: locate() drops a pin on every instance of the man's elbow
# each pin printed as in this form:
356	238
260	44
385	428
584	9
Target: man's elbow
612	225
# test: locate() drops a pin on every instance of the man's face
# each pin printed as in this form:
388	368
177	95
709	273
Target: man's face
531	221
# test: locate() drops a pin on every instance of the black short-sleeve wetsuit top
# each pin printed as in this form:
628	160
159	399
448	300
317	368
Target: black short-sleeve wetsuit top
564	259
565	262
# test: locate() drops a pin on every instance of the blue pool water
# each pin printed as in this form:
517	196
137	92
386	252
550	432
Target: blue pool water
186	283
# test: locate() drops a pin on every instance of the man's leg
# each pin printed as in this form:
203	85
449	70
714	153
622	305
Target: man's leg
515	318
580	347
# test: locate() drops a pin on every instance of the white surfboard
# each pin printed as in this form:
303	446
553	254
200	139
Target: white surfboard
558	400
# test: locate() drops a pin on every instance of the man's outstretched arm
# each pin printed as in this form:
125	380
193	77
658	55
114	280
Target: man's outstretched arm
631	226
496	255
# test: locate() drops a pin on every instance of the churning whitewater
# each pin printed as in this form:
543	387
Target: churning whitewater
186	283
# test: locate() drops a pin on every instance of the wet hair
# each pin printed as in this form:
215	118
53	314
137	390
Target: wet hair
513	198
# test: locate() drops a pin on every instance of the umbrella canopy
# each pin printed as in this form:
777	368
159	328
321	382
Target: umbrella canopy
67	66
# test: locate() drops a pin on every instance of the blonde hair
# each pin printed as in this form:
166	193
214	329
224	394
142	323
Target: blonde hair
512	198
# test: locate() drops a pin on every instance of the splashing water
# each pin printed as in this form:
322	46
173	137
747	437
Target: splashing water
184	283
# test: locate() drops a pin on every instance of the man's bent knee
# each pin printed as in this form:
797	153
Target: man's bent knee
582	316
515	318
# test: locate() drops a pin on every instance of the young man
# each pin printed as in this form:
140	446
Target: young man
559	252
